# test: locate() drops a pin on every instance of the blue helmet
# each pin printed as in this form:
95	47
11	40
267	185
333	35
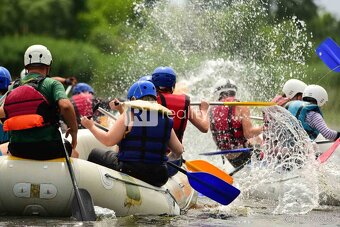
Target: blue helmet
82	87
148	78
164	77
5	78
141	89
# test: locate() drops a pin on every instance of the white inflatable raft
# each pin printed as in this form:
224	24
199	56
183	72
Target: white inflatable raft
44	188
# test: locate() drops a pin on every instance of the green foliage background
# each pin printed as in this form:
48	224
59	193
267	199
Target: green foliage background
98	41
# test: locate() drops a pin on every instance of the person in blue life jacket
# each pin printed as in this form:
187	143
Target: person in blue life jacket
32	107
308	112
142	143
5	80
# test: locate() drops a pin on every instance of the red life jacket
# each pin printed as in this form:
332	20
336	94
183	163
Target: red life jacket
179	105
227	132
25	107
83	104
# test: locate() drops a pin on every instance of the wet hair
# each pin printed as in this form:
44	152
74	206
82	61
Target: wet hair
148	98
227	94
310	99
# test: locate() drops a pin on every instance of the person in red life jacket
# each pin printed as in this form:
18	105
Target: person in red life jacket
32	107
292	90
231	126
164	79
83	101
142	141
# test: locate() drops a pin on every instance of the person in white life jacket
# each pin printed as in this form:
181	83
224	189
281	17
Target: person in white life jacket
231	126
142	143
32	107
292	90
164	79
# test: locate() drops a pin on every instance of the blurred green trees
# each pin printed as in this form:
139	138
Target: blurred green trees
92	39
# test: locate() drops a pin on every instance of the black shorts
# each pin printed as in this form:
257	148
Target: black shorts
40	150
155	174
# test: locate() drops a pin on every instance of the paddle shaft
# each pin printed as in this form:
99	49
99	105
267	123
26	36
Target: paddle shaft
324	141
83	211
236	103
107	113
2	99
68	89
228	151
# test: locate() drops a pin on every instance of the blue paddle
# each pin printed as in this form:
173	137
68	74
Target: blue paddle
228	151
329	53
210	186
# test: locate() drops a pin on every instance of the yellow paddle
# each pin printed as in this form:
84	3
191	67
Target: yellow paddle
237	103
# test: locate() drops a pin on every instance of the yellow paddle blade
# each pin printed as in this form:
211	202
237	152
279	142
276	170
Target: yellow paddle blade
203	166
237	103
249	103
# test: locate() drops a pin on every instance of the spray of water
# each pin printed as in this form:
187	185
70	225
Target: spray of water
190	34
286	174
205	41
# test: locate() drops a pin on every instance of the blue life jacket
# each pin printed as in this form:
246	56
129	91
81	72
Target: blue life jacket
3	135
300	109
147	144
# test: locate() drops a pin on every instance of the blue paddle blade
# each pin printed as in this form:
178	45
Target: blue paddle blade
329	52
228	151
213	187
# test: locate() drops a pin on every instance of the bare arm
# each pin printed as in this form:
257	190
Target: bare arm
66	81
67	111
200	119
2	112
175	146
249	131
110	138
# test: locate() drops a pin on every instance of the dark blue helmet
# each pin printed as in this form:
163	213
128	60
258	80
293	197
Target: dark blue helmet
5	78
82	87
148	78
164	77
141	89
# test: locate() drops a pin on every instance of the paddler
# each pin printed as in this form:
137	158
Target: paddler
143	132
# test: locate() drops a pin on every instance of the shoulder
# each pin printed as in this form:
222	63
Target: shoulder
52	81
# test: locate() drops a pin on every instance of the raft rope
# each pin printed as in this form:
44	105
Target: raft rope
165	191
135	184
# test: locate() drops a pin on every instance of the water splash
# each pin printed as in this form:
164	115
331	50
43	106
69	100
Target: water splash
287	174
205	41
189	34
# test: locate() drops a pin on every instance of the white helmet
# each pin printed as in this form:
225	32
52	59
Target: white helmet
37	54
292	87
317	92
224	85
